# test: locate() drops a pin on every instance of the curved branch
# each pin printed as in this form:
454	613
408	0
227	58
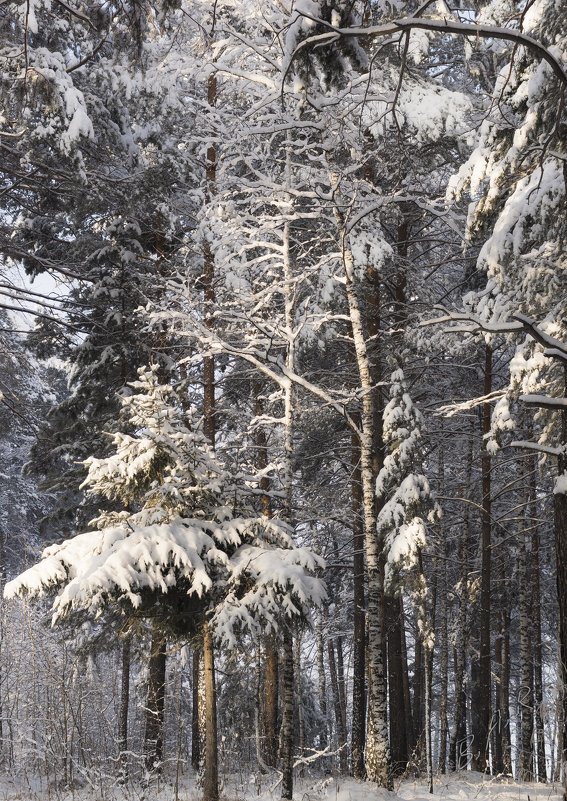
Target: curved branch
437	26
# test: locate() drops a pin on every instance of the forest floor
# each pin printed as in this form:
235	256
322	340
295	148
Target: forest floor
464	786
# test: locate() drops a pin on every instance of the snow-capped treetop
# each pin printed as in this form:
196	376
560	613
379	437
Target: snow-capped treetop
165	468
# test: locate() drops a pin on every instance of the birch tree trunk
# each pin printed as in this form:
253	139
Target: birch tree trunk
377	748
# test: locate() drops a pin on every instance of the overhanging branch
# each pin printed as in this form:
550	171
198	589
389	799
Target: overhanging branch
436	26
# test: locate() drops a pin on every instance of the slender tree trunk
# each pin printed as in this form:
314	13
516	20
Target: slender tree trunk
525	698
286	734
482	749
560	509
340	723
269	705
123	714
377	750
443	674
211	775
286	731
197	716
536	623
155	704
270	701
502	752
458	756
322	681
405	678
358	737
397	719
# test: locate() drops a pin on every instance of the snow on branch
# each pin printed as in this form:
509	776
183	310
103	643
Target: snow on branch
434	25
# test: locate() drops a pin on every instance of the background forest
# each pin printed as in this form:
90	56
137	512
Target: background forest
283	311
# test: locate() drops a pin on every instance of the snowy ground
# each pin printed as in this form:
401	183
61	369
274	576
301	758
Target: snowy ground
462	787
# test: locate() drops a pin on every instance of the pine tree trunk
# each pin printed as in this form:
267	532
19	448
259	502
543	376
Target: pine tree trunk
536	623
155	704
482	751
340	722
405	679
270	702
560	529
197	717
286	732
443	675
211	777
358	737
398	729
322	682
123	713
525	699
458	751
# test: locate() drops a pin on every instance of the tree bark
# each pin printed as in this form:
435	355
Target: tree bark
123	713
482	749
560	530
525	697
358	736
155	704
397	719
286	732
536	622
211	777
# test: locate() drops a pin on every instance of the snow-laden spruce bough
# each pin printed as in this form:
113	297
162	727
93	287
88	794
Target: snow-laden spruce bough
183	538
178	541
